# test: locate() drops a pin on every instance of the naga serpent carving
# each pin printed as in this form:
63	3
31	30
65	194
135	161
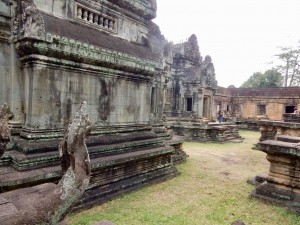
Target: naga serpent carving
56	204
5	135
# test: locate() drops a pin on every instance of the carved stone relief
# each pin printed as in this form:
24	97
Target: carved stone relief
28	22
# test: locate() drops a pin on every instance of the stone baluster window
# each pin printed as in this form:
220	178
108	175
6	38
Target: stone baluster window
97	19
79	13
91	17
110	24
101	21
85	15
105	22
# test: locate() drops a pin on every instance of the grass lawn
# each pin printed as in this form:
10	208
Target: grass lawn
212	189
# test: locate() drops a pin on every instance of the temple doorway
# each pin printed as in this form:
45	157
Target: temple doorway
289	108
189	104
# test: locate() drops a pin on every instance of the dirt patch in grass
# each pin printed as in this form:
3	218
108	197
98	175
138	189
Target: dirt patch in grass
212	189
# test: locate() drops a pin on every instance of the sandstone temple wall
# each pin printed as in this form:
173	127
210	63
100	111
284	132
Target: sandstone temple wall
65	52
11	80
265	102
51	97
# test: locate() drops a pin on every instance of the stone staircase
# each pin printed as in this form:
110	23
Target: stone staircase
227	132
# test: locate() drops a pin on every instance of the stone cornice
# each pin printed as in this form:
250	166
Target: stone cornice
65	49
63	64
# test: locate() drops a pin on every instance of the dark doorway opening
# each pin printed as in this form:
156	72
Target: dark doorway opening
289	108
189	104
261	110
152	100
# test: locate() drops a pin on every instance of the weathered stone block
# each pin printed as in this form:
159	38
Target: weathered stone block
5	9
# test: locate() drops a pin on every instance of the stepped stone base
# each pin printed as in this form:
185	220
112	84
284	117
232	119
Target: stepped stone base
122	160
279	194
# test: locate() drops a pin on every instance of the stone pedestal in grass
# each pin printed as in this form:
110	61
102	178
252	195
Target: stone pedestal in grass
282	184
270	130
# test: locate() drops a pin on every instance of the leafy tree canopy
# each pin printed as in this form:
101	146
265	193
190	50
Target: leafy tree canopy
290	65
271	78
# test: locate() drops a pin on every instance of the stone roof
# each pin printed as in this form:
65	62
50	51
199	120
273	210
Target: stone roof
267	92
89	35
231	86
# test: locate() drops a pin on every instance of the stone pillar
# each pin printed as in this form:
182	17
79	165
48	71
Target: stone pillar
101	21
181	99
200	104
79	12
85	15
154	97
16	85
211	105
96	19
160	97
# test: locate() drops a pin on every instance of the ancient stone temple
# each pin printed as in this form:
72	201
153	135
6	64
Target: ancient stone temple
186	92
56	54
193	85
246	106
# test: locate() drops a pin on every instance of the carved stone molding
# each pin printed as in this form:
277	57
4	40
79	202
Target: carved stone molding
5	134
69	49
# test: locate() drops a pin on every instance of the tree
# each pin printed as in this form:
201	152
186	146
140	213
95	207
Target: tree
290	67
271	78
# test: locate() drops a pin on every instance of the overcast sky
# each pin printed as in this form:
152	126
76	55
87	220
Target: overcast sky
241	36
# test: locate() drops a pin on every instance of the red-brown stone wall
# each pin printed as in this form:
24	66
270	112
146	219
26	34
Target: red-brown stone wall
274	107
247	100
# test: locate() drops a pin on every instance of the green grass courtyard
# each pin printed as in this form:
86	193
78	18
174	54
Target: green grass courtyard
212	189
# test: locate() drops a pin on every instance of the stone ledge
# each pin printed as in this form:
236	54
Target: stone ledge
13	178
288	138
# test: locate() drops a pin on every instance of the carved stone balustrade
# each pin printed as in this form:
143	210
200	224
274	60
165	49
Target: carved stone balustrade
95	18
